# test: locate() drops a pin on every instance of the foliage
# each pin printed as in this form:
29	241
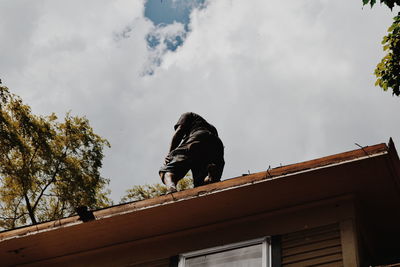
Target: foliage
47	168
388	70
389	3
141	192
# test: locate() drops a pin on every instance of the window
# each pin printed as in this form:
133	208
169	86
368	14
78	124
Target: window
252	253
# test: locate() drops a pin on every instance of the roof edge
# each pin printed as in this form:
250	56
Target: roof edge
279	172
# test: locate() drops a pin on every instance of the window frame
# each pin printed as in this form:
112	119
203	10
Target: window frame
265	248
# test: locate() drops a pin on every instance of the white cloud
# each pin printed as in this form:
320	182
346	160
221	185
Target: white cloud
165	36
282	81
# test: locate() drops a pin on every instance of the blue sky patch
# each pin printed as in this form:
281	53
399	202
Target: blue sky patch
165	12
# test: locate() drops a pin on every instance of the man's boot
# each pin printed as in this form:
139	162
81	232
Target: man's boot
168	179
211	177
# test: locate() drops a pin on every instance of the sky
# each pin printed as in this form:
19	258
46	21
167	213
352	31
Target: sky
282	81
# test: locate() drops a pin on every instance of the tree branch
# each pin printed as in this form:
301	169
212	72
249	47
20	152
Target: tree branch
33	156
30	210
56	209
53	178
51	181
9	161
13	218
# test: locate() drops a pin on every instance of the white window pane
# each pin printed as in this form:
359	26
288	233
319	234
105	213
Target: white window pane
241	257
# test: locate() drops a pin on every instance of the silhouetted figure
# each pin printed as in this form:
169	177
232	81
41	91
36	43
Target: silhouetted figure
195	146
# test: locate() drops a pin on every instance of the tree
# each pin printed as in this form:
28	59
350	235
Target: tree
47	168
387	71
389	3
141	192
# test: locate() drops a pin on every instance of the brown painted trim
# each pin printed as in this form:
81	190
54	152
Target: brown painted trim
174	261
203	190
394	164
349	243
276	251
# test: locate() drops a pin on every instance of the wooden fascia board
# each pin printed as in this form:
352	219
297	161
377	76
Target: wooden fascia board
313	214
230	184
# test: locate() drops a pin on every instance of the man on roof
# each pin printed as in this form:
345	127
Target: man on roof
195	146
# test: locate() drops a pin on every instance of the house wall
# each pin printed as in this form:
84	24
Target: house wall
319	246
317	220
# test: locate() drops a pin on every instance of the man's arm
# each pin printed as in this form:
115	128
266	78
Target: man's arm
177	138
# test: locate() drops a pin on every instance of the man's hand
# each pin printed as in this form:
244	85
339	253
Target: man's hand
167	159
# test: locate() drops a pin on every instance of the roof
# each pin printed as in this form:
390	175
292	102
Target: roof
371	173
